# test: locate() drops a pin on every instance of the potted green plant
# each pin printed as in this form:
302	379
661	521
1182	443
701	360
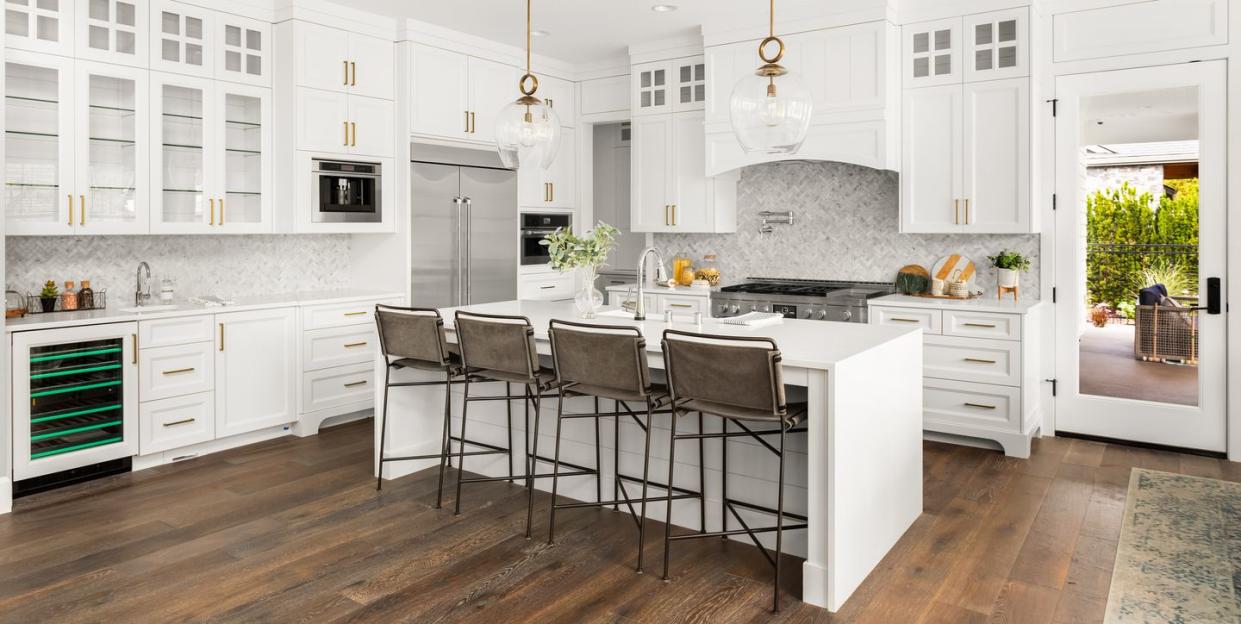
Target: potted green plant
1008	264
585	254
48	296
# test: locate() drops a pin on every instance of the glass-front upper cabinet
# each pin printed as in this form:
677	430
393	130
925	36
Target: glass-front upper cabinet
243	192
691	84
998	45
112	149
242	50
180	198
652	86
114	31
39	25
182	38
38	119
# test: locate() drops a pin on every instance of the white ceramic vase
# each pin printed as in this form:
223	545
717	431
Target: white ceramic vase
1007	277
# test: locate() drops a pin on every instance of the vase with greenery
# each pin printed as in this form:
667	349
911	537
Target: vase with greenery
48	296
1008	264
585	254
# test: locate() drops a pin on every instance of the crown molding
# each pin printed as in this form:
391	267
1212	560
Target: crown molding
689	44
336	16
471	45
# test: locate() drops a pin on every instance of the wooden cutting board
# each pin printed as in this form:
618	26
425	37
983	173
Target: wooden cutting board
946	267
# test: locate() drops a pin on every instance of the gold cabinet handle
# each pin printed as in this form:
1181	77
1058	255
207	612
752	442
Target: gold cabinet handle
356	384
956	212
346	82
221	337
674	214
473	123
179	371
346	124
552	186
70	209
353	126
680	305
352	345
967	211
980	406
983	325
549	102
135	348
667	213
81	210
979	361
221	211
353	69
212	202
180	422
467	122
355	313
897	319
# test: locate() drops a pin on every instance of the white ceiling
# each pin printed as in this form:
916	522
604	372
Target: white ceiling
1157	115
589	31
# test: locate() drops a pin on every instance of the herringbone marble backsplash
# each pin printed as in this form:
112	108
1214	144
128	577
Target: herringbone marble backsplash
228	266
846	227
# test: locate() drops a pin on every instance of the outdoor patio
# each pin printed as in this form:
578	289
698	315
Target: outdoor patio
1108	368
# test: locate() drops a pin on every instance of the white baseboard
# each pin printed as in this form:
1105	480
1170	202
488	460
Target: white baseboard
206	448
6	495
310	423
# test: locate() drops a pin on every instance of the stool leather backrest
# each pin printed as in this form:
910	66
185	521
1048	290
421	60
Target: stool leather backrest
413	333
499	343
602	356
729	370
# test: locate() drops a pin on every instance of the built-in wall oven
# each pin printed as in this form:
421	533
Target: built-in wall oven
347	192
535	226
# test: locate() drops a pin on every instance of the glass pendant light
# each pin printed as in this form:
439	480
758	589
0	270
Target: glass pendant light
528	130
770	109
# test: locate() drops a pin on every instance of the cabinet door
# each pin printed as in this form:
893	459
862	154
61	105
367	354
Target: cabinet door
322	121
559	95
725	66
652	88
243	50
184	40
997	45
690	196
114	31
440	101
320	57
256	370
689	89
651	174
931	160
112	140
244	192
562	174
39	180
997	156
492	87
371	67
371	126
932	53
182	198
39	25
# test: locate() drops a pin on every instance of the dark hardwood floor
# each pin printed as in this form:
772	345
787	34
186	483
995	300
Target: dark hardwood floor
293	530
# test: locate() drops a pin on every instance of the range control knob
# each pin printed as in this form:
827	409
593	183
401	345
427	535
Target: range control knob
847	316
734	309
822	315
805	314
723	308
753	308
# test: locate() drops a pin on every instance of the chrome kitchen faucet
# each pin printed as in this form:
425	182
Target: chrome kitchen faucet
142	292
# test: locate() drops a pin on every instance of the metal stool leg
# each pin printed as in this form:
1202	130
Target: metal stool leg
383	430
702	478
551	516
534	461
465	407
446	443
616	455
775	608
646	469
672	451
508	406
724	478
598	458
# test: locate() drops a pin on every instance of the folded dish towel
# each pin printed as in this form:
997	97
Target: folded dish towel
753	319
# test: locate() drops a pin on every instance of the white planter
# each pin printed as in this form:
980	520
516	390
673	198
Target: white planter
1007	277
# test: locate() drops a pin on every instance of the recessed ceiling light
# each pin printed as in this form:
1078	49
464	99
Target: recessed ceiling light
664	8
539	33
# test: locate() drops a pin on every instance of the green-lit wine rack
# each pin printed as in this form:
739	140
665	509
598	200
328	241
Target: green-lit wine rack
76	396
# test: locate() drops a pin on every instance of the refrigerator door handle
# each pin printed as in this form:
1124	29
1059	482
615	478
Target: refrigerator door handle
469	244
459	296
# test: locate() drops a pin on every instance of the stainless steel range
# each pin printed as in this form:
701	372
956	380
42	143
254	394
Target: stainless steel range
818	300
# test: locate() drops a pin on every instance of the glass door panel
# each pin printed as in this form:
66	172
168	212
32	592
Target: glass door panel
182	154
38	179
39	25
244	160
112	30
112	164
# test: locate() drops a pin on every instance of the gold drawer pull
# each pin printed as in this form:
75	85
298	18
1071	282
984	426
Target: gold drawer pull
898	319
680	305
547	287
355	313
180	422
980	361
356	384
355	344
980	406
983	325
178	371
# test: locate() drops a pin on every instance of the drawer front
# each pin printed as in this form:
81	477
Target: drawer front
970	404
972	359
337	386
338	315
176	331
982	325
546	287
176	371
684	305
338	346
929	320
173	423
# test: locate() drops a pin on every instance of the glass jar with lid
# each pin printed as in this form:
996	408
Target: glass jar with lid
708	270
683	269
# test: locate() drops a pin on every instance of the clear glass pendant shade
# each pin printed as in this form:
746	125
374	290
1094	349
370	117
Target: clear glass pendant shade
528	133
771	114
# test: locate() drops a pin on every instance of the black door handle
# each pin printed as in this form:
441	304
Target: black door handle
1213	302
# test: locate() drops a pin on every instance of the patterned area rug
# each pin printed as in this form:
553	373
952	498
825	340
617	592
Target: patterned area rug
1179	557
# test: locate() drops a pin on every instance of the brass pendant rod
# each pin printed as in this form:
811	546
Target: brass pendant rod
771	24
528	44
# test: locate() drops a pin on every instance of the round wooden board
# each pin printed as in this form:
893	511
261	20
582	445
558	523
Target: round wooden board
945	267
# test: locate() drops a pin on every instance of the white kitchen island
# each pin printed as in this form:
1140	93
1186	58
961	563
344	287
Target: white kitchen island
857	475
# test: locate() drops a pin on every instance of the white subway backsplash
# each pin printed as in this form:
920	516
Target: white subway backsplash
846	227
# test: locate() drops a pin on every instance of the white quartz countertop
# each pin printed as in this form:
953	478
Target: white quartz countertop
984	303
687	291
807	344
114	313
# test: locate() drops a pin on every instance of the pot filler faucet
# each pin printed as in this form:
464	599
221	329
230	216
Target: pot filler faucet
661	276
142	292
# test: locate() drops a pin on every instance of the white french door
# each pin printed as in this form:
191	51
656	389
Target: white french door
1158	377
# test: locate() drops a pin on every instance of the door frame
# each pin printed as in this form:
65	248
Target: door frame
1212	76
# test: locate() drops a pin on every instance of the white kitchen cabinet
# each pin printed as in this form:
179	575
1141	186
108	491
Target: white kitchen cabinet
243	50
333	388
244	189
689	84
440	101
40	25
372	124
559	95
553	286
932	53
676	85
184	38
336	60
931	171
112	31
996	45
554	187
604	95
330	121
113	146
38	131
177	422
996	156
256	370
670	191
492	87
166	372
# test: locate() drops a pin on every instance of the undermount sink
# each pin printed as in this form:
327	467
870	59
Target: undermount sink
149	308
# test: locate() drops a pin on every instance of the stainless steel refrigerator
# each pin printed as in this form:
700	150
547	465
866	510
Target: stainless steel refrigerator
465	235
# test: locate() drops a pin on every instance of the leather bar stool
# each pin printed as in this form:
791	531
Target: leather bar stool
606	362
739	380
496	348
